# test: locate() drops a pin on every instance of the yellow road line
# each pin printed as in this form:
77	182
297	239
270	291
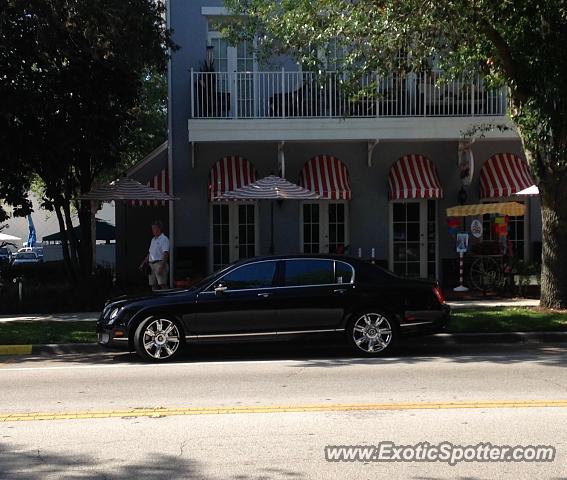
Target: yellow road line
15	349
220	410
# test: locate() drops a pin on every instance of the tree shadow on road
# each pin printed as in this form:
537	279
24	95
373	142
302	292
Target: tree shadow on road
323	354
20	464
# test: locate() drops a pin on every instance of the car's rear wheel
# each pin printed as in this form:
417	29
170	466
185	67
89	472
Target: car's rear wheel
158	339
371	333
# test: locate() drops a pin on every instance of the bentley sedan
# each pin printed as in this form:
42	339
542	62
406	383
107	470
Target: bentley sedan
278	298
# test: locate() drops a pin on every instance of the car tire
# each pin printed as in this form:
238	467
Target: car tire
159	339
372	333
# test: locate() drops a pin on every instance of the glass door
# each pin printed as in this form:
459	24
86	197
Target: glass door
236	67
220	238
234	233
244	68
246	239
324	227
413	238
311	228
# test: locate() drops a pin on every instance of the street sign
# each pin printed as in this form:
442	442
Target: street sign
476	228
462	242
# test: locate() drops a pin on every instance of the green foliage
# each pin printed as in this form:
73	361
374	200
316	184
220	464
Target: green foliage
44	332
515	43
147	128
71	82
507	319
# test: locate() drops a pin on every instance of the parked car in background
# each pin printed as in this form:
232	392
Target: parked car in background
37	250
22	258
278	298
5	255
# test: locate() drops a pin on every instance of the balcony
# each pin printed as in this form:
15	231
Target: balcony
291	105
221	95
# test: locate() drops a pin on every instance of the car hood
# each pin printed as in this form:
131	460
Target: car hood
157	297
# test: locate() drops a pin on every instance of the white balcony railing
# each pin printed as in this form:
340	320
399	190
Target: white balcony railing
284	94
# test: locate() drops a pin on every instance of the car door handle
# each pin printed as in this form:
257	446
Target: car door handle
339	291
264	295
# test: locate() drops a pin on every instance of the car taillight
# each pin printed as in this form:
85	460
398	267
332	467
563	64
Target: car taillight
439	294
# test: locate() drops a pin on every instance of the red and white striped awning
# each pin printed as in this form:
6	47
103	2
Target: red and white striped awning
414	176
228	174
160	181
327	176
503	175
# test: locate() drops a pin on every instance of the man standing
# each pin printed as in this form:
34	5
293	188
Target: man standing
157	257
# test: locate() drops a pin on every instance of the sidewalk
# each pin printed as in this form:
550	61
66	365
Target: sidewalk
491	303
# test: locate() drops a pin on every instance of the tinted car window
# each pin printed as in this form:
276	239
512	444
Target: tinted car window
343	272
366	272
254	275
308	272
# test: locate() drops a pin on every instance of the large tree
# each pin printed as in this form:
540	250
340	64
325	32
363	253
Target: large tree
519	43
147	128
71	77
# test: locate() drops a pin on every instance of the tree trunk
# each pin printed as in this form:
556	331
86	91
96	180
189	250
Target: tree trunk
86	251
65	244
73	243
553	194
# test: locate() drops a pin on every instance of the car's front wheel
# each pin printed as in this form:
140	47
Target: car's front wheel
158	339
371	333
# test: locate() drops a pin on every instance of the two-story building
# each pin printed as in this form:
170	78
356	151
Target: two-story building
385	166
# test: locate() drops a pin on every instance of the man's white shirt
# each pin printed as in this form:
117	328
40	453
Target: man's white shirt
158	246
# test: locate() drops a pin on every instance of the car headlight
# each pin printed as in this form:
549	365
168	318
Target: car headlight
114	314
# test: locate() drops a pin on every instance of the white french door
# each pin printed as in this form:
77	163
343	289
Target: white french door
240	62
324	227
234	233
413	238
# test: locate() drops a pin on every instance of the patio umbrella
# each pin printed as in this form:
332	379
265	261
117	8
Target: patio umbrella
533	190
272	188
123	189
4	237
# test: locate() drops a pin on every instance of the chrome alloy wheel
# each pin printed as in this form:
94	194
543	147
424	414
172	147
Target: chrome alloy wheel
372	332
161	339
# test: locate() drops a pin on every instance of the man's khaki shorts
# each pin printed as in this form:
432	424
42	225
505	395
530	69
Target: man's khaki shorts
158	278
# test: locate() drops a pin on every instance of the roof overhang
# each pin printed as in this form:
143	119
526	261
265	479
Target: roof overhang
360	129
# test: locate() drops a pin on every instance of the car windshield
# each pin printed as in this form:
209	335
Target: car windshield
26	256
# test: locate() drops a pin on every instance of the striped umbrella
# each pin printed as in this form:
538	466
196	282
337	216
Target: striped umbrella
123	189
4	237
272	188
126	189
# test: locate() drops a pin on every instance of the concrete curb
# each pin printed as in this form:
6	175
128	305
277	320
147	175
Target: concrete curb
15	349
50	349
437	339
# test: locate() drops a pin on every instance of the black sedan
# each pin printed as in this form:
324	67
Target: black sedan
277	298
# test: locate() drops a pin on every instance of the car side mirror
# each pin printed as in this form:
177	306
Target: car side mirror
220	289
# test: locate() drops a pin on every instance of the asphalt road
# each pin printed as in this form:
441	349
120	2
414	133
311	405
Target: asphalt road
266	411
